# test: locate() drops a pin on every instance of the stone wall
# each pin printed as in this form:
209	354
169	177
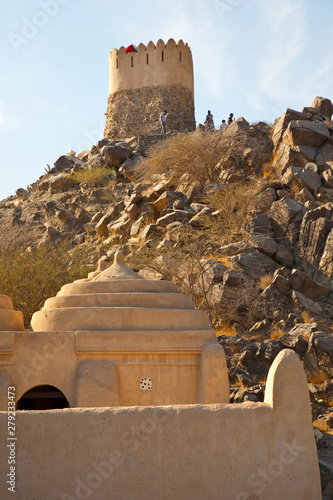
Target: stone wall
137	111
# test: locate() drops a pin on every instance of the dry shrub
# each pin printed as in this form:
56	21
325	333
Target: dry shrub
295	187
265	281
276	333
306	317
31	276
199	157
195	154
225	328
234	203
94	176
268	170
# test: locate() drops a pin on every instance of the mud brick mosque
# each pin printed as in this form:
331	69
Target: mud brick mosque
121	387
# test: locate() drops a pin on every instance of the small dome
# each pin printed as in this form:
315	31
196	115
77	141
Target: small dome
10	320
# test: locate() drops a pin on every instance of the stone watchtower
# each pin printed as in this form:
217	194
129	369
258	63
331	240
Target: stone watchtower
144	83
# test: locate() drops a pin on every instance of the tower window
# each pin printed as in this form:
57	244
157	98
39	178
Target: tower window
162	55
117	63
131	61
180	56
147	58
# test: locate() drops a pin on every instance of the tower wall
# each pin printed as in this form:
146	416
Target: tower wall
160	64
143	84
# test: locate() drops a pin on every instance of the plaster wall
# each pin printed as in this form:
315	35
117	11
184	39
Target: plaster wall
257	451
97	369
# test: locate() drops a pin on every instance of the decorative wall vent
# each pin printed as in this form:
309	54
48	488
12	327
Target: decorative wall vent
145	384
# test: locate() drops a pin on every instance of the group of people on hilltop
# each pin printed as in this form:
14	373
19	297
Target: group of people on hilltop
209	122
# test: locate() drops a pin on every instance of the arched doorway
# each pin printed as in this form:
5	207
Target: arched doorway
42	397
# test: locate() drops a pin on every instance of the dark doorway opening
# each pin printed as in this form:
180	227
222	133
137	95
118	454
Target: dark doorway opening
43	397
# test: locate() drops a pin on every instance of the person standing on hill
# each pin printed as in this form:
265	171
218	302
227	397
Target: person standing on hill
223	125
231	118
209	123
163	117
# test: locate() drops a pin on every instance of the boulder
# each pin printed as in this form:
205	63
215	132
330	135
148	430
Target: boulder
306	133
324	156
101	226
192	194
304	195
149	213
283	122
295	341
255	264
120	225
134	197
150	231
319	358
260	224
266	245
328	178
136	226
281	283
324	106
302	302
65	162
130	168
173	216
22	194
282	213
284	257
287	156
312	236
164	199
306	178
308	153
115	154
60	182
236	126
83	155
301	282
267	197
132	211
325	268
63	215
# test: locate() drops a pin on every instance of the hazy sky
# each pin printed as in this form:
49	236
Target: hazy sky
254	58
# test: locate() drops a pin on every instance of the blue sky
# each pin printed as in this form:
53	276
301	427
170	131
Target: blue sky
254	58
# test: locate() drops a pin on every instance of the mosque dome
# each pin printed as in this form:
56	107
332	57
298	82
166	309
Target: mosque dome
118	298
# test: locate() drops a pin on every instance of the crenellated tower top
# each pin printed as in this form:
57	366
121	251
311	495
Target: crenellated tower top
161	64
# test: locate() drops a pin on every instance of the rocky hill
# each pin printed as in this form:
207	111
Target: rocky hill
242	219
